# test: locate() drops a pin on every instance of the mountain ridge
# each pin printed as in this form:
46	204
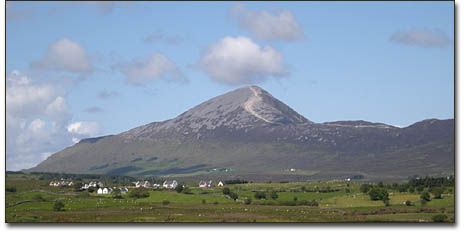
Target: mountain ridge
247	130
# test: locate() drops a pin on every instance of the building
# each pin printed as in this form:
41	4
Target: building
205	184
220	184
170	184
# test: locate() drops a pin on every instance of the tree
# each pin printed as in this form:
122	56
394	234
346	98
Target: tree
226	191
439	218
365	188
11	189
116	194
295	198
179	188
77	186
91	189
248	201
38	197
165	202
58	206
411	189
274	195
138	193
437	192
260	195
420	188
234	196
378	194
425	196
203	201
380	184
408	203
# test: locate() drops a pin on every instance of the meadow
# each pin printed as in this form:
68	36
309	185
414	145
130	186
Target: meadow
327	201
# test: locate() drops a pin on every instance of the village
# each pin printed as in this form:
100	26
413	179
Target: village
101	189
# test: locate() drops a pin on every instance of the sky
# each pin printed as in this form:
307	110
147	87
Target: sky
84	69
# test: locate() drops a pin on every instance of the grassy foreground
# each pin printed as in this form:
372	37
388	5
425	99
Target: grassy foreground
333	201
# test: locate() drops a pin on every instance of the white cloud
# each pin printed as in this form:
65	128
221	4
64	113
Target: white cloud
146	69
421	37
239	60
36	121
84	128
67	56
268	26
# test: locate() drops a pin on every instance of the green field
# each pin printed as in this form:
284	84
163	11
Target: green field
336	201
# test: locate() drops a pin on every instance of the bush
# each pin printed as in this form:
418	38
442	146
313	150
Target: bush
91	189
420	188
58	206
38	197
274	195
233	196
314	203
215	203
116	194
11	189
139	193
408	203
378	194
203	201
365	188
248	201
295	199
426	197
179	188
260	195
226	191
165	202
411	190
437	192
439	218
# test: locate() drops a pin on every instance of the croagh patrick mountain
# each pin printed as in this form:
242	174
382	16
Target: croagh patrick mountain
250	134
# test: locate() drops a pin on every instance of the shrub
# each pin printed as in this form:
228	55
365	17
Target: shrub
215	203
260	195
58	206
411	189
248	201
203	201
11	189
439	218
165	202
91	189
365	188
314	203
38	197
226	191
139	193
233	196
425	196
420	188
116	194
378	194
437	192
179	188
274	195
408	203
295	198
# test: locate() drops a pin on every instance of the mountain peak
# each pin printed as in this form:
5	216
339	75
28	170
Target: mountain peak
246	107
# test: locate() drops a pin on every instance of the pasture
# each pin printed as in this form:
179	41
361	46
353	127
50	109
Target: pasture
331	201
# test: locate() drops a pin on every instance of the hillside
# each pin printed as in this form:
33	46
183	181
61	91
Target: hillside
248	132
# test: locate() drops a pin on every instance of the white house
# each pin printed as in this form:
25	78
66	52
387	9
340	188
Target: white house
205	184
144	184
100	191
123	190
170	184
220	184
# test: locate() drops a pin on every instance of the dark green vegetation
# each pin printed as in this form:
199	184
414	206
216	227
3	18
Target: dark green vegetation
226	137
35	201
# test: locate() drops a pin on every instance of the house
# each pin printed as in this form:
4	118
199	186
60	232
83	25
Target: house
205	184
220	184
144	184
85	186
123	190
156	185
104	191
100	191
170	184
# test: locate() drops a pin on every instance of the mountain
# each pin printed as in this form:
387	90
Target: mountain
249	133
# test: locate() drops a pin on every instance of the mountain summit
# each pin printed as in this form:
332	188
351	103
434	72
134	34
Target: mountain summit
246	107
248	132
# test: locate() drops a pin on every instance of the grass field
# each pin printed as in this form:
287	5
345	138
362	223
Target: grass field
33	201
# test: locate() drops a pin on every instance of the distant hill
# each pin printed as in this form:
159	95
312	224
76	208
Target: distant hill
248	132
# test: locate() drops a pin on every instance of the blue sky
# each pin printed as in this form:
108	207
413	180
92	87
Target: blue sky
80	69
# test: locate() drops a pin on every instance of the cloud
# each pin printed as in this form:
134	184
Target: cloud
105	94
67	56
421	37
144	70
158	36
15	13
94	109
84	128
104	8
268	26
36	121
239	60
